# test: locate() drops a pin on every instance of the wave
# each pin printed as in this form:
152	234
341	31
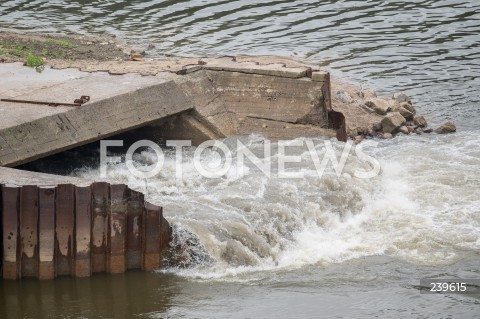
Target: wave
423	207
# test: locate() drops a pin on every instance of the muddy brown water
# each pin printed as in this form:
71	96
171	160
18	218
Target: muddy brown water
301	248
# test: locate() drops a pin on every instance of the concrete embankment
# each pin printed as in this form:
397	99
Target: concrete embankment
55	226
214	98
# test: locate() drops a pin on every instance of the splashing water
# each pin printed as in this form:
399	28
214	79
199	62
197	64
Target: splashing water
248	223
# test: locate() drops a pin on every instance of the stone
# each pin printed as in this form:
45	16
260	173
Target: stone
403	129
344	97
136	57
405	113
377	127
420	121
358	139
137	54
428	130
448	127
368	94
137	51
387	136
409	107
366	108
400	97
410	128
380	106
392	122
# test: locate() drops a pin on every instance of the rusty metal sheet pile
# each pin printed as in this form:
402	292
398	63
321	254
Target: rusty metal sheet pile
71	230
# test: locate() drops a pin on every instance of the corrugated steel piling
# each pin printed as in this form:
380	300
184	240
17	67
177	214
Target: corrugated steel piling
77	231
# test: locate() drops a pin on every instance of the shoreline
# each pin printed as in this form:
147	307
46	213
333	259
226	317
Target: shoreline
365	113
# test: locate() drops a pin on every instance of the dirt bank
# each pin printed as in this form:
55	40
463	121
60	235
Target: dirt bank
33	48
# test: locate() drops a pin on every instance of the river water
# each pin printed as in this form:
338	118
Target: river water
319	246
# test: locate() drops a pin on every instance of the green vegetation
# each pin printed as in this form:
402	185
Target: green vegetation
36	62
62	43
34	51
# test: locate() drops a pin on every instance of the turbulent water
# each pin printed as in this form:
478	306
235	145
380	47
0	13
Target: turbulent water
316	246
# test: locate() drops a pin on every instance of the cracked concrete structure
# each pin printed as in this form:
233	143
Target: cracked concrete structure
53	225
214	98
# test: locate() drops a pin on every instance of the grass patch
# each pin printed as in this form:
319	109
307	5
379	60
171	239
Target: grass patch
36	62
62	43
31	49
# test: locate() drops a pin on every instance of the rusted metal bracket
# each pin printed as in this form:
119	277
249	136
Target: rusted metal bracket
77	102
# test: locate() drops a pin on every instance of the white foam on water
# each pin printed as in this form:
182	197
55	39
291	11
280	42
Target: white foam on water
423	207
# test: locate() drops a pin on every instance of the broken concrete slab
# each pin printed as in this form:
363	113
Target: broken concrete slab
118	104
215	97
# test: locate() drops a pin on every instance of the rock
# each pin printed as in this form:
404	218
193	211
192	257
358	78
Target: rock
137	51
403	129
446	128
377	127
410	128
380	106
420	121
428	130
137	54
387	136
344	97
392	122
151	46
369	94
367	108
358	139
136	57
396	106
409	107
400	97
405	113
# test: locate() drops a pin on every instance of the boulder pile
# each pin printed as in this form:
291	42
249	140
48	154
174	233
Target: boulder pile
399	116
368	116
